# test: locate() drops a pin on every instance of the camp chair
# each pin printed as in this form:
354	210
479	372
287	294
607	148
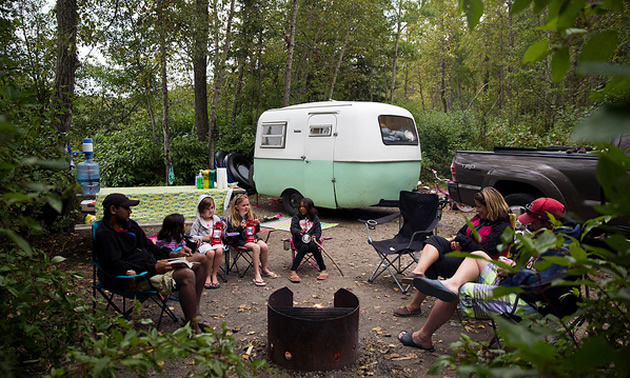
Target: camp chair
308	258
420	217
102	283
545	299
236	253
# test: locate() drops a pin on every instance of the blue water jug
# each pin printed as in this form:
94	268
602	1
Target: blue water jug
88	173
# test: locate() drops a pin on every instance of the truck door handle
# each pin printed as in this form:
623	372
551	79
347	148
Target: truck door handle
303	157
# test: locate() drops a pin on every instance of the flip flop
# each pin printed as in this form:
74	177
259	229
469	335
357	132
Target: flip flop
404	312
259	283
408	277
434	288
322	276
295	279
270	275
406	338
215	285
208	286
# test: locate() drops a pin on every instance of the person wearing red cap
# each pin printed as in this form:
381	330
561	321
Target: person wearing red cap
473	296
121	245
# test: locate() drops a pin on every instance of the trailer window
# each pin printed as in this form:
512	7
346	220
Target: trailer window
320	130
398	130
273	135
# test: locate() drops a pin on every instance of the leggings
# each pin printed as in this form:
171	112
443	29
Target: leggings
303	249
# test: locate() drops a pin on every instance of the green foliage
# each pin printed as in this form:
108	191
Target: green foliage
126	159
601	342
124	348
47	324
441	134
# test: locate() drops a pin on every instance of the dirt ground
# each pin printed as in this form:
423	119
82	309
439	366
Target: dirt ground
243	306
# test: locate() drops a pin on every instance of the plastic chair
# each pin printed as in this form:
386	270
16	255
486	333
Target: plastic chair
308	258
102	283
420	216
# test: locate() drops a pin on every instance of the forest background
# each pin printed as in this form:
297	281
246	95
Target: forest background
162	85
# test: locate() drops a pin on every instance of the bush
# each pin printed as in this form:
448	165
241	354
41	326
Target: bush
602	346
47	325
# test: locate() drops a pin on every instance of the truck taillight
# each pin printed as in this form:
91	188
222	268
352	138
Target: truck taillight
453	173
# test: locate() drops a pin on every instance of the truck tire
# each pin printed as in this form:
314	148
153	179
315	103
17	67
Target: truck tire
291	200
517	202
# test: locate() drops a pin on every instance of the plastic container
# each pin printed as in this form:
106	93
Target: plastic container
88	171
199	181
212	177
206	178
88	176
221	178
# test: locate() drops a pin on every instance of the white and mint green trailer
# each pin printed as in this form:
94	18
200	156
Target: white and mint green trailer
340	154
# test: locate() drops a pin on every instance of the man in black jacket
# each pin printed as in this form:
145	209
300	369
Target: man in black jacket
121	245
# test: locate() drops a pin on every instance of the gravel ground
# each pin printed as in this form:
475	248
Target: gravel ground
243	306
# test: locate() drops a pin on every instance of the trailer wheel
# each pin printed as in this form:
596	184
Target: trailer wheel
517	202
291	200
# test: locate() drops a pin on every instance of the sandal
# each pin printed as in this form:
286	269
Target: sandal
270	274
208	285
406	338
404	312
322	276
295	278
259	283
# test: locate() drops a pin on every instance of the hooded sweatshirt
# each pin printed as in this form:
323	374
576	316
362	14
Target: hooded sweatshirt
202	227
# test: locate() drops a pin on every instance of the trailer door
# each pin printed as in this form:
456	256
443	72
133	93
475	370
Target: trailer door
318	159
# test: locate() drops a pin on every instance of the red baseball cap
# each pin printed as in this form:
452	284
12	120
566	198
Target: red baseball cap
539	208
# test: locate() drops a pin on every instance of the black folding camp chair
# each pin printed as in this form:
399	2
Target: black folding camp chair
420	216
117	298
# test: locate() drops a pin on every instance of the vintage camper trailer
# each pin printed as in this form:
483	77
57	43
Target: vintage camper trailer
340	154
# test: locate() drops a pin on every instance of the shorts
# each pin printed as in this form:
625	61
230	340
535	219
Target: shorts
164	283
475	302
205	247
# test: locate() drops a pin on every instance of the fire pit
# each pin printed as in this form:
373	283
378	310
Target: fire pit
313	338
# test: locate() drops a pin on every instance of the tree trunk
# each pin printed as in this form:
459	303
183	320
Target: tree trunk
398	31
290	48
220	66
343	50
200	63
67	63
443	85
259	75
165	121
237	91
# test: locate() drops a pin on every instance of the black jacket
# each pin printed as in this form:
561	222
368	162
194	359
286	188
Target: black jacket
118	252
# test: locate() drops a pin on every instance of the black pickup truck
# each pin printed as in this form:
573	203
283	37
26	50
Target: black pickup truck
524	174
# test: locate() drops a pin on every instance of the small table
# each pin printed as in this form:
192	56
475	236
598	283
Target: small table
156	202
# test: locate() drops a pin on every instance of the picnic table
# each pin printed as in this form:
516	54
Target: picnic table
156	202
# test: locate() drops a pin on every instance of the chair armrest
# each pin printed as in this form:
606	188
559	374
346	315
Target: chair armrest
385	219
100	268
371	224
431	227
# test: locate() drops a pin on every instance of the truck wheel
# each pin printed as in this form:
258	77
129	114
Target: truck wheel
517	202
291	200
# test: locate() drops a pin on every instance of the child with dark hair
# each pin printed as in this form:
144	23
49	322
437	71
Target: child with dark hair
306	228
171	235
